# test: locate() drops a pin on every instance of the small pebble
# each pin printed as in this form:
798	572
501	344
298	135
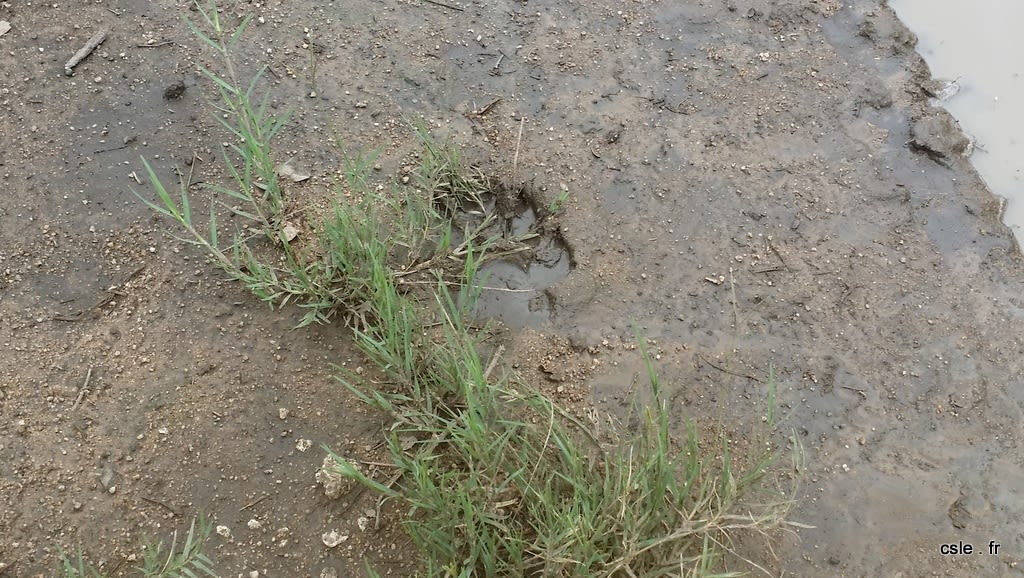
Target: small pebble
174	91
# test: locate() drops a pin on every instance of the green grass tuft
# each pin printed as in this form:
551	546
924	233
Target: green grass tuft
184	560
498	481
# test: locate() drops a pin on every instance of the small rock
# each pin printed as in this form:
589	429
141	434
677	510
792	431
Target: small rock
333	538
328	573
938	136
224	532
282	413
174	91
333	482
959	515
291	172
941	89
303	445
107	477
290	231
254	524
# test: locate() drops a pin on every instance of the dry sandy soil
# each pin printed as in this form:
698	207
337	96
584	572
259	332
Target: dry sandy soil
755	183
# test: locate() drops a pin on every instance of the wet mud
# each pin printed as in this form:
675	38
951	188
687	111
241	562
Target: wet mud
753	184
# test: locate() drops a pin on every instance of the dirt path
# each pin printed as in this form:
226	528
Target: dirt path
753	183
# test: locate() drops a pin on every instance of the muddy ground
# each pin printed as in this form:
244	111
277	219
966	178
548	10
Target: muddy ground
754	183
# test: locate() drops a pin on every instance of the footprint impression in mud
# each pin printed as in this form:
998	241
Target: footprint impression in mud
514	287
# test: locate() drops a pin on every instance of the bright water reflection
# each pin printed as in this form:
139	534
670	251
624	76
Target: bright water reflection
980	44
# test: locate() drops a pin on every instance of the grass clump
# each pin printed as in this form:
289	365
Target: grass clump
158	559
501	482
328	269
558	204
496	478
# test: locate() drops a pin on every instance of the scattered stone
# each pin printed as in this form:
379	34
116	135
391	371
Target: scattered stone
332	481
281	536
303	445
254	524
282	413
940	89
293	174
939	137
290	231
959	515
333	538
175	91
224	532
107	477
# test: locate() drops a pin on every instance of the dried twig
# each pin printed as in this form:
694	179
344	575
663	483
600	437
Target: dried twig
779	255
860	391
253	503
161	504
494	361
443	5
725	370
378	464
84	391
84	51
380	501
484	109
519	139
78	315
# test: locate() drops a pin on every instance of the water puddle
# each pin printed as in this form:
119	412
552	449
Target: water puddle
972	44
514	288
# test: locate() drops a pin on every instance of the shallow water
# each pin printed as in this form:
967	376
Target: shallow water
514	291
976	44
